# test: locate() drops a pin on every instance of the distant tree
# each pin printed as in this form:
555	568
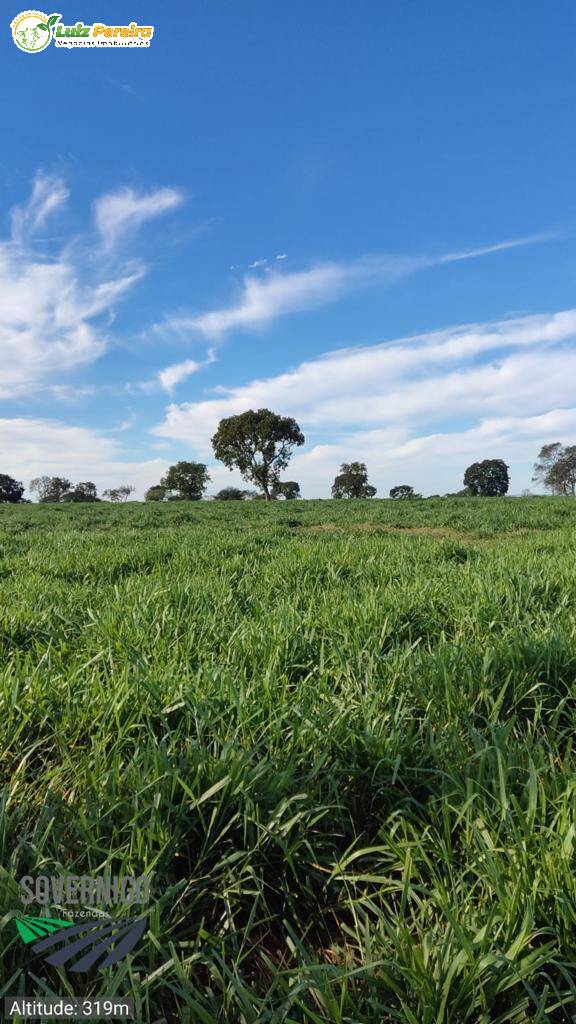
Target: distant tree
50	488
352	482
84	491
188	479
156	493
556	468
403	491
258	443
231	494
287	489
526	493
11	490
464	493
487	479
118	493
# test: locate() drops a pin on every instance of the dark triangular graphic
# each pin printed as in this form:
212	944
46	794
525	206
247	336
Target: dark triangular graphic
96	935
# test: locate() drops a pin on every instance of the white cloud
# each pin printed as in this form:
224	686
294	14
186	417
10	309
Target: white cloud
257	264
392	398
46	319
435	463
49	193
176	373
168	378
34	447
31	447
54	308
487	250
262	300
121	213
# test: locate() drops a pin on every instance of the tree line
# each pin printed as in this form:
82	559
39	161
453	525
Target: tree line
259	444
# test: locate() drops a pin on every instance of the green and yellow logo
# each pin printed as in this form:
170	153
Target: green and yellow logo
32	30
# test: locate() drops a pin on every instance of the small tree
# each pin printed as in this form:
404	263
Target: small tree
403	491
118	493
556	468
50	488
259	444
188	479
85	491
287	489
487	479
156	493
352	482
11	490
231	494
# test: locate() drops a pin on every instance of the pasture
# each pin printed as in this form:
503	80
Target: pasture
339	737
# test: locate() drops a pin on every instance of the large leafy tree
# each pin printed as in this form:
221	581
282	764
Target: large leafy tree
487	479
352	482
188	479
259	443
50	488
555	468
11	490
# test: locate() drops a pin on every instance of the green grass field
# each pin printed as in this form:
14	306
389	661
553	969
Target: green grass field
338	735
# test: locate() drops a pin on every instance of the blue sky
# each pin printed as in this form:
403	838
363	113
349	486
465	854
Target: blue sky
362	215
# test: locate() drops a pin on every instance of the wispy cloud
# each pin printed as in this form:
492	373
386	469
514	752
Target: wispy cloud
119	214
487	250
176	373
49	193
55	310
124	87
262	300
169	377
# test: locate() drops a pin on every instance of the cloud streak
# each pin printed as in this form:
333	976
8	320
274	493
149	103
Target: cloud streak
120	214
176	373
263	300
49	193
